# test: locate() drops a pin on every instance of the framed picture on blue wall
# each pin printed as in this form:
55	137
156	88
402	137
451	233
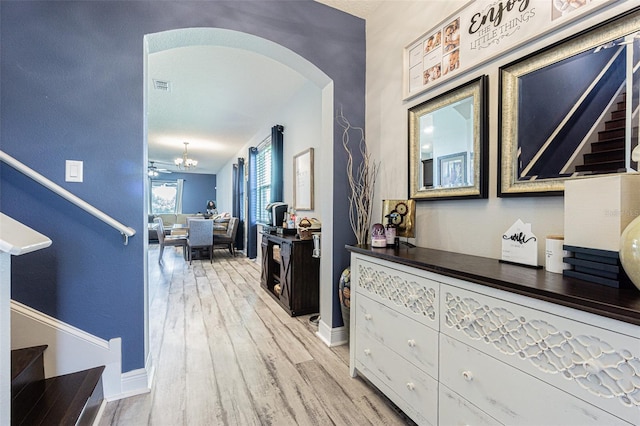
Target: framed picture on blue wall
303	180
570	110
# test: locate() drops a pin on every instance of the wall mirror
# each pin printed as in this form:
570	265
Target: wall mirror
448	144
570	110
303	180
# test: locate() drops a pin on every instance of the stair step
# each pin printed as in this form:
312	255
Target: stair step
27	366
617	123
611	134
603	167
616	115
607	145
69	399
604	156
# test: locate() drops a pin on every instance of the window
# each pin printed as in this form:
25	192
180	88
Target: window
264	184
263	180
166	196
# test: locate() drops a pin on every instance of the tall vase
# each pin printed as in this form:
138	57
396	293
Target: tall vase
630	251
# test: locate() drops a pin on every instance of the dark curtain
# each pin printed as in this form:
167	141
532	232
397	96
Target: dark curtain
277	174
237	208
252	228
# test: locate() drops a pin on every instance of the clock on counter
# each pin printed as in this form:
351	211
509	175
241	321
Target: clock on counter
401	214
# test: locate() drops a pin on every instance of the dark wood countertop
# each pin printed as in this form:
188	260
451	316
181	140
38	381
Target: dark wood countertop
285	238
621	304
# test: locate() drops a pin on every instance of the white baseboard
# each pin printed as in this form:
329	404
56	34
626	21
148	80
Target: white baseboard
103	406
71	349
332	336
136	382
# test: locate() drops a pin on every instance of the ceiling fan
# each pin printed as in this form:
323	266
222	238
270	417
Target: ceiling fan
153	171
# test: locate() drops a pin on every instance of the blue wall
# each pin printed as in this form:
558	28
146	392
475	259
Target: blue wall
71	86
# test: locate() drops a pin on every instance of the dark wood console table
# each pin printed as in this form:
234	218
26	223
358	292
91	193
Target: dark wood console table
620	304
290	274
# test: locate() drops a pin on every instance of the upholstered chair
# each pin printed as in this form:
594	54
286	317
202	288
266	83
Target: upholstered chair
169	240
228	240
200	237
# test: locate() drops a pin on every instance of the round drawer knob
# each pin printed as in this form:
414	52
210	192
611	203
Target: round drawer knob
411	343
467	375
411	386
368	317
367	352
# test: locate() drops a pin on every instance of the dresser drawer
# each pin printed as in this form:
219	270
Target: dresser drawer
412	340
415	388
510	395
412	295
594	364
456	411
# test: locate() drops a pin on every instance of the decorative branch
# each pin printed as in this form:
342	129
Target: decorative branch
361	182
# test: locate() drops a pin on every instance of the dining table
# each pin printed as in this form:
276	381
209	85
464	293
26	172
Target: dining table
183	229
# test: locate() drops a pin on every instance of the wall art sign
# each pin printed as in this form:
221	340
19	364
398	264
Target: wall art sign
481	31
520	245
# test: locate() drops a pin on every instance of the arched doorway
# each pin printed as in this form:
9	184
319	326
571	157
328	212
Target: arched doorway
247	44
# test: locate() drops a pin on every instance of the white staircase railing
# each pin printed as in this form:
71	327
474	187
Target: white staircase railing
15	239
124	230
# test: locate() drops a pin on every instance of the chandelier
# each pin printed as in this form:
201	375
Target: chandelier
185	162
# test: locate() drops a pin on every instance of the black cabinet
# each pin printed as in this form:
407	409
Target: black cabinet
290	274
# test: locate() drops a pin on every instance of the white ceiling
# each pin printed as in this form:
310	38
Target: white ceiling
219	98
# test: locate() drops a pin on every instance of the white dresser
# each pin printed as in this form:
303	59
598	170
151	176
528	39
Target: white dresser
450	351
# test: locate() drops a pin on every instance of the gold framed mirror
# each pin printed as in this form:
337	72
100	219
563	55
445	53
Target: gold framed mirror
448	144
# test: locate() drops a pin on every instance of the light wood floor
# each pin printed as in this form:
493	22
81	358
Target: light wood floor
226	354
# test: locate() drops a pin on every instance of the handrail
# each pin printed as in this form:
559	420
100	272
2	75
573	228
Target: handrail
124	230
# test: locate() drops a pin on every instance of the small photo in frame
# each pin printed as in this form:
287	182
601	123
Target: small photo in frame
453	169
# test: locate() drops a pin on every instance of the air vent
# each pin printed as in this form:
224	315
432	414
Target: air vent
163	86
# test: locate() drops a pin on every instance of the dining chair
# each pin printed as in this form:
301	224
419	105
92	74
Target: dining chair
169	240
228	240
190	218
200	236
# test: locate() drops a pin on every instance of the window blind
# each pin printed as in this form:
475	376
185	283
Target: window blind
263	180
